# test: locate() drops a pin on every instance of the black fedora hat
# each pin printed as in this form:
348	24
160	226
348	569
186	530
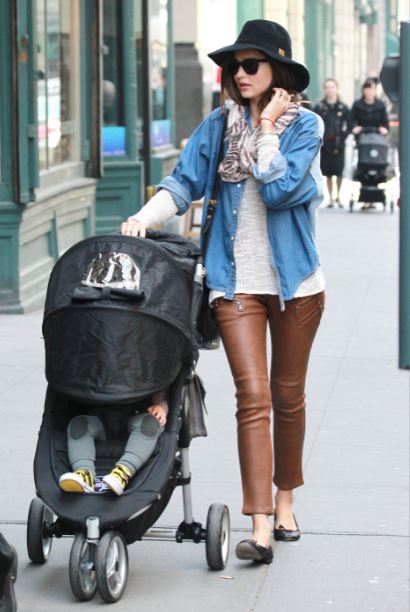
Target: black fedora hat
273	40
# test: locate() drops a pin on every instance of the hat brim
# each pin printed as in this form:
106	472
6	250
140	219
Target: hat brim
300	72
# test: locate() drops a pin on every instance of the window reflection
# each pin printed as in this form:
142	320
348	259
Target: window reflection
140	79
112	85
58	101
161	126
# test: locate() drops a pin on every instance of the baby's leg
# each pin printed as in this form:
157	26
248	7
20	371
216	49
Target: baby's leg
144	431
82	431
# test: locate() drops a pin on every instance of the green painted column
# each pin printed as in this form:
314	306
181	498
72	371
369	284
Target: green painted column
404	300
319	44
392	40
247	10
313	47
10	211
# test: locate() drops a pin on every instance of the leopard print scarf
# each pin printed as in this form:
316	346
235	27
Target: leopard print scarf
242	142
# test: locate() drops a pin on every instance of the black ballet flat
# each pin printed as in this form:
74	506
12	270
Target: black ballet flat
249	550
281	534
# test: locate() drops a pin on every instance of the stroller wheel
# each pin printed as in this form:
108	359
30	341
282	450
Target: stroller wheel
39	540
351	204
217	536
83	579
111	565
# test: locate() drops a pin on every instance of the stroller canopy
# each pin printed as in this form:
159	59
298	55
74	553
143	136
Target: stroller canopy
117	320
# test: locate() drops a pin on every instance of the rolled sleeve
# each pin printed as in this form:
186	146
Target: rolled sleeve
270	164
180	195
276	169
295	185
189	178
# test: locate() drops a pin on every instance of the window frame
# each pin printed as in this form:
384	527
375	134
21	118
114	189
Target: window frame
28	180
129	68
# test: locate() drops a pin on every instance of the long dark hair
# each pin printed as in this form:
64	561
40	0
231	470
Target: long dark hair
281	77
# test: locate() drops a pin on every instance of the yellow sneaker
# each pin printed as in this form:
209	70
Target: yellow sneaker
80	481
118	479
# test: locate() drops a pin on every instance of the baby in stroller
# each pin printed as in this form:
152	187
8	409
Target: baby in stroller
144	429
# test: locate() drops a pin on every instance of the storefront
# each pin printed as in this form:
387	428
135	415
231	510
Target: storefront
75	154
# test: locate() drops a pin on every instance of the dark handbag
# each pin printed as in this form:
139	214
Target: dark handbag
206	323
193	408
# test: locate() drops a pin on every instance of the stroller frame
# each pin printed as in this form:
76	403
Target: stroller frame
373	177
99	557
103	525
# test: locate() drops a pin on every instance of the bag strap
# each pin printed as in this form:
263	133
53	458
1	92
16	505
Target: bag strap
213	199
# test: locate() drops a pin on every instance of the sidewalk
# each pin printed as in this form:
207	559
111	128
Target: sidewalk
353	509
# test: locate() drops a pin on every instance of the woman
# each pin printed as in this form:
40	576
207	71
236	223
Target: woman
368	111
335	116
262	263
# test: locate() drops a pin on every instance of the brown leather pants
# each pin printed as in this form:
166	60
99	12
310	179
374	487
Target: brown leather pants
242	325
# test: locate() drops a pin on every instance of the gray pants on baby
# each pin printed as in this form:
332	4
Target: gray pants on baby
82	432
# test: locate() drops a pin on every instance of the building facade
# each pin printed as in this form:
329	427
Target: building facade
97	94
344	39
86	125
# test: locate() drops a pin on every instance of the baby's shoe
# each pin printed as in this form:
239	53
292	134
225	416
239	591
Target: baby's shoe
118	479
80	481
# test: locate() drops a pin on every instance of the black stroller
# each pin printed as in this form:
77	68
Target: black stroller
118	326
372	170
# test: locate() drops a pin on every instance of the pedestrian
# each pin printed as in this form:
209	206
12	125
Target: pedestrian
262	262
369	112
335	115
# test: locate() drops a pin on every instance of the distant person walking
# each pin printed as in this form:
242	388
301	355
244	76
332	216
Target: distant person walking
368	112
335	115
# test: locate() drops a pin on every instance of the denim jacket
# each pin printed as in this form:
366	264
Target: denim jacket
291	189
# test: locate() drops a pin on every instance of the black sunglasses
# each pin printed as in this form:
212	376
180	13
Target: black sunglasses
249	65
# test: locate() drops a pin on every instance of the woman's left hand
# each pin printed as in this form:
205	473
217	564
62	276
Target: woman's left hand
275	108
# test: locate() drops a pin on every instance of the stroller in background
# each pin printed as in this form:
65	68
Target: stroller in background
119	324
372	169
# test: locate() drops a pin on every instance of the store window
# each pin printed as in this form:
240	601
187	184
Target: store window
139	52
161	123
114	133
58	90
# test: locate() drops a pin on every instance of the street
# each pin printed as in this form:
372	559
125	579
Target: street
353	508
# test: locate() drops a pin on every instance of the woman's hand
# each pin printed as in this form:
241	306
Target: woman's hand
356	130
131	227
159	413
383	130
275	108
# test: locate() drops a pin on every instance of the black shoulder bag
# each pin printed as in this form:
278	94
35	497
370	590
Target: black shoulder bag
206	322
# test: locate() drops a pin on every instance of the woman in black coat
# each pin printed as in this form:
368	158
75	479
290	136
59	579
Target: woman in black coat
335	116
368	111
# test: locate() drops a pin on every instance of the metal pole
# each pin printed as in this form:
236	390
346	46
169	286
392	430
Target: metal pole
404	148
